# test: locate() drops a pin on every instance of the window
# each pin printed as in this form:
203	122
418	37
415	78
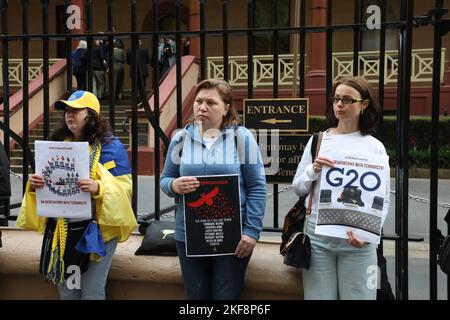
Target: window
142	133
263	19
370	39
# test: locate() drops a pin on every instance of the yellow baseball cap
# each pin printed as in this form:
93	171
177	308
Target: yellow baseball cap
80	99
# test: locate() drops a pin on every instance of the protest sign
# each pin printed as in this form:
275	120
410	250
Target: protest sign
212	216
62	164
353	196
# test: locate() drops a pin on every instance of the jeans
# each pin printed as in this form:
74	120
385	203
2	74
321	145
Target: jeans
339	270
118	80
99	84
93	281
212	278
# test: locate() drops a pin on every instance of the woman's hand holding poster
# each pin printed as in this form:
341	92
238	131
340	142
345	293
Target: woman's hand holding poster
353	196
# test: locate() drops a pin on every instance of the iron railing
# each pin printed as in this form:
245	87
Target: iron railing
368	67
16	67
404	27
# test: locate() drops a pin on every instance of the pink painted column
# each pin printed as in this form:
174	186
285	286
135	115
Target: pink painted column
194	25
316	75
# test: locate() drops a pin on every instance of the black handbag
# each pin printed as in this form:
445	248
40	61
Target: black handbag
159	239
444	256
5	185
295	243
72	256
298	252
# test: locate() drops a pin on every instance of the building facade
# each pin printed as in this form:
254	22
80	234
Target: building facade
288	15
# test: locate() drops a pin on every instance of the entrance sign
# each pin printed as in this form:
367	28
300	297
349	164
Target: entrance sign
287	115
62	164
212	216
353	196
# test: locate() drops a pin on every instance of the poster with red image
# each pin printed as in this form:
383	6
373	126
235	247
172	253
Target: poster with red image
212	216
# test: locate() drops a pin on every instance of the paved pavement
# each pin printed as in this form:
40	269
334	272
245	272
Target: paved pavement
418	226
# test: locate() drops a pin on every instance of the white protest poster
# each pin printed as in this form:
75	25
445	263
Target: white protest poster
62	164
352	196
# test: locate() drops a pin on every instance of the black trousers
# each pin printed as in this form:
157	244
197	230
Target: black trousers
81	80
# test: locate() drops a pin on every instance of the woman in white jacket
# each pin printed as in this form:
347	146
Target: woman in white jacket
339	266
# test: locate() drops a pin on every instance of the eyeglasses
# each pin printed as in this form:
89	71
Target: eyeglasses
335	100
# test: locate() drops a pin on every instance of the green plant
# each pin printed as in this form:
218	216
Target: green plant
421	158
419	139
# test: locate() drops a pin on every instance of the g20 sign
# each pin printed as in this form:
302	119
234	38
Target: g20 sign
369	181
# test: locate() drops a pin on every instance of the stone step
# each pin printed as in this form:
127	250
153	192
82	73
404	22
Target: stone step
18	152
104	108
104	105
40	127
16	161
56	118
59	120
104	113
123	138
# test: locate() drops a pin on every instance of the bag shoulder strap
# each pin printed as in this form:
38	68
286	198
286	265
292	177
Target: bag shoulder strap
314	145
315	148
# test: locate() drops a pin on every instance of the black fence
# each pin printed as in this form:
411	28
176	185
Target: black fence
404	26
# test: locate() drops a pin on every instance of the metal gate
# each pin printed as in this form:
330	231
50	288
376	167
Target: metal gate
404	27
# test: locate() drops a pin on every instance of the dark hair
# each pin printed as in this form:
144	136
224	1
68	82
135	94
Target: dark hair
95	128
369	118
226	96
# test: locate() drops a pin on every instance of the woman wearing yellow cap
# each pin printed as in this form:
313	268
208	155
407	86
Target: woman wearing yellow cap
110	187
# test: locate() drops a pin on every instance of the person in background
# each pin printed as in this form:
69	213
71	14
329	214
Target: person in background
211	135
5	186
118	70
79	64
117	43
143	60
110	187
186	45
163	65
103	44
169	52
339	266
99	67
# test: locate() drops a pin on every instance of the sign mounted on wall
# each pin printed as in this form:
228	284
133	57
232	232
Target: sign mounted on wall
290	116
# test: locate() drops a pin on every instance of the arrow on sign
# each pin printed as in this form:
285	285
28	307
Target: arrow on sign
275	121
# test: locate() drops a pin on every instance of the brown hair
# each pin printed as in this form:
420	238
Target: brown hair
226	95
369	118
95	128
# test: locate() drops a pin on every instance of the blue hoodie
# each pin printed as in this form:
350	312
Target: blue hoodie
221	159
